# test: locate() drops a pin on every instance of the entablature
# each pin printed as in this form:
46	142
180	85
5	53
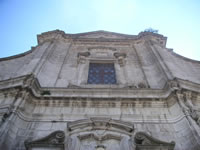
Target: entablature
30	83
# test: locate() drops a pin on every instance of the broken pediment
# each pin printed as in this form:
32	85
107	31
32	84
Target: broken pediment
144	141
56	141
99	134
53	141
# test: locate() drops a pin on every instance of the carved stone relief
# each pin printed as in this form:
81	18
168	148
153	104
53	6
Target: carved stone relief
184	99
54	141
101	52
194	111
120	58
145	142
82	57
99	134
173	84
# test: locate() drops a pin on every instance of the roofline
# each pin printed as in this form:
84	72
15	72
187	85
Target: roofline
76	35
144	33
54	33
18	55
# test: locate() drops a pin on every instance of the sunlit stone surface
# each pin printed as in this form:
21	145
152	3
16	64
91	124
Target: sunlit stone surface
138	95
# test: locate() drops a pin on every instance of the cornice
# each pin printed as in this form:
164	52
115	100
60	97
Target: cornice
181	57
163	119
12	83
58	34
188	85
104	93
18	55
77	37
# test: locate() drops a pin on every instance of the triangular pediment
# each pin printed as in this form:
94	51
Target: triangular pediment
104	34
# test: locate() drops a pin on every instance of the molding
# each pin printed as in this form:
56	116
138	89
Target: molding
169	50
19	55
101	48
161	120
146	142
107	92
100	123
53	140
142	141
187	85
77	37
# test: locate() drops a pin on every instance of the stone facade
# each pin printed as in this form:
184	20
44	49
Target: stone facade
46	102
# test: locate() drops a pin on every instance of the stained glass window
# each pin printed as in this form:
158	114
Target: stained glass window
101	73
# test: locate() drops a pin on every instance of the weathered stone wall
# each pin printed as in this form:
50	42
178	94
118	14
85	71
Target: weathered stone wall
180	67
32	118
23	64
16	131
147	61
46	90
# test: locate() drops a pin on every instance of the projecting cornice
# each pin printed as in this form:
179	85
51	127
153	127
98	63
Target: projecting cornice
18	55
97	36
32	84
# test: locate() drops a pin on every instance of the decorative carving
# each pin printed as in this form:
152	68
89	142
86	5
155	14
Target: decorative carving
121	58
82	56
184	108
88	134
101	123
55	139
28	81
174	84
100	134
194	111
191	112
145	142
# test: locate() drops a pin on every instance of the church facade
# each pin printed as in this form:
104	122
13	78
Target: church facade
99	91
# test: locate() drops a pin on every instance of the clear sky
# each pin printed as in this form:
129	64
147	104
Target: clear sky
22	20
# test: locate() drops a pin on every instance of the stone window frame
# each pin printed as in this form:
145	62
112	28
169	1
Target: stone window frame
102	81
83	61
84	82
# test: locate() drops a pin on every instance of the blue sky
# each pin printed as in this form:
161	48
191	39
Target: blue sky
22	20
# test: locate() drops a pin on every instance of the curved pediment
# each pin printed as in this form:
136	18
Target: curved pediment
100	124
55	140
147	142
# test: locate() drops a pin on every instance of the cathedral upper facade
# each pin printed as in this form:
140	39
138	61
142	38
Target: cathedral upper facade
99	91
